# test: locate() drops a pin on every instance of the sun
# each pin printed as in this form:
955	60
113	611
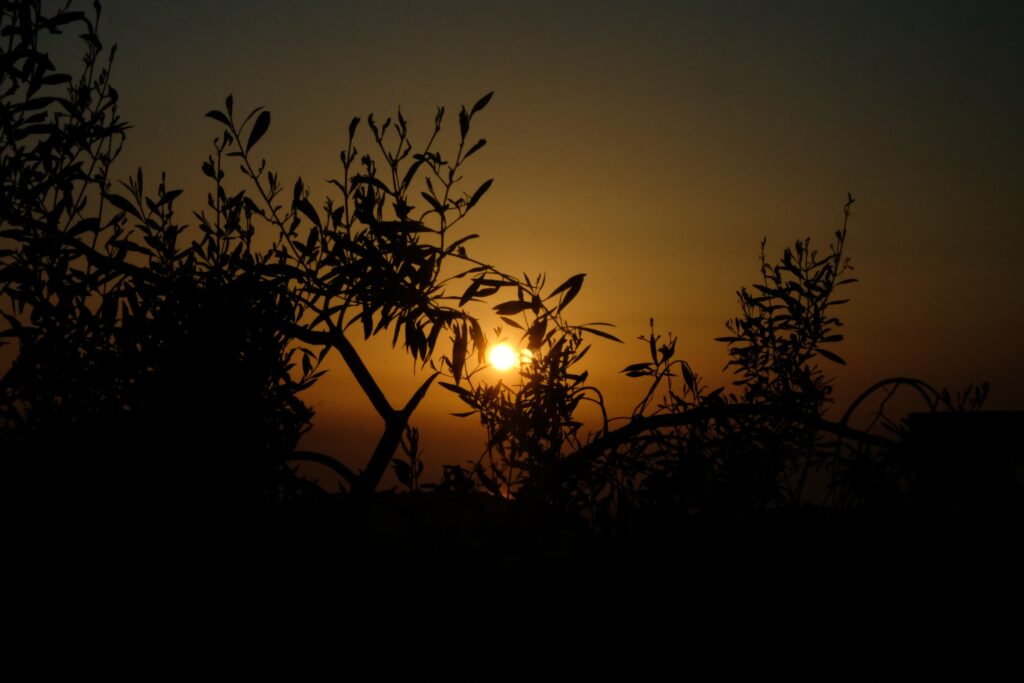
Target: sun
502	357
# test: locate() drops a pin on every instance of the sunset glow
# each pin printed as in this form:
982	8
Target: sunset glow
678	303
502	357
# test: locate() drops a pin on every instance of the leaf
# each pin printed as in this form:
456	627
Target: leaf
599	333
403	472
637	369
461	391
477	334
469	293
122	204
393	227
574	281
481	103
688	377
40	129
490	282
371	180
37	103
64	18
480	191
511	323
218	116
536	333
56	79
831	356
436	205
571	287
487	482
169	197
459	353
83	226
459	242
512	307
128	245
411	172
475	148
307	210
258	129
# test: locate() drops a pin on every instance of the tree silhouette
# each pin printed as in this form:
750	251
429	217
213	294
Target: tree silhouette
154	356
145	345
154	401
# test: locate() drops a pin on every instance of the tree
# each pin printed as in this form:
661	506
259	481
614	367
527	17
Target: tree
151	355
531	424
367	259
688	448
59	136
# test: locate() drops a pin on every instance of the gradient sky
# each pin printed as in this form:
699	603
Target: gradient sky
650	145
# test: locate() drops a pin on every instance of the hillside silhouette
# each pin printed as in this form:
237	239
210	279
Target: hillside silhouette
153	405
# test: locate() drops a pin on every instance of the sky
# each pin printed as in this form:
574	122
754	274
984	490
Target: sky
650	145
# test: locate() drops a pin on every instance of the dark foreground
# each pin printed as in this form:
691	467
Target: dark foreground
446	586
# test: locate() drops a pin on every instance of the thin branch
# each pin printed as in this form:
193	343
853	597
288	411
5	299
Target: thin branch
327	461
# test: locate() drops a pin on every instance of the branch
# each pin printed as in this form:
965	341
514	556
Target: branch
654	422
336	338
922	388
327	461
395	426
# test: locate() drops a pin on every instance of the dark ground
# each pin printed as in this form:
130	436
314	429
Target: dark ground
455	587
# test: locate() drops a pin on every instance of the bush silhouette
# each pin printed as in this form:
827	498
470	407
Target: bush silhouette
154	357
155	392
162	358
180	352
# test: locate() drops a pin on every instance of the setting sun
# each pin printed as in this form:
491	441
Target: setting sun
502	357
569	356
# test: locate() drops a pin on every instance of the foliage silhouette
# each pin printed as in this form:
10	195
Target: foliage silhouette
532	424
146	347
156	387
139	358
367	262
203	336
687	449
128	324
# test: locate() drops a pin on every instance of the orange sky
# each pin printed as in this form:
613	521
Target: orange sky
651	146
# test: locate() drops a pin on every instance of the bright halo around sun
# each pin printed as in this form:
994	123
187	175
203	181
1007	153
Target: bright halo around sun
502	357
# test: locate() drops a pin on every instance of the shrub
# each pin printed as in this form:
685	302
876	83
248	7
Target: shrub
153	356
685	446
531	423
688	448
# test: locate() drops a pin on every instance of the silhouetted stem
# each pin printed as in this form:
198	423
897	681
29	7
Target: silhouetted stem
394	428
649	423
325	460
395	421
337	339
922	388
